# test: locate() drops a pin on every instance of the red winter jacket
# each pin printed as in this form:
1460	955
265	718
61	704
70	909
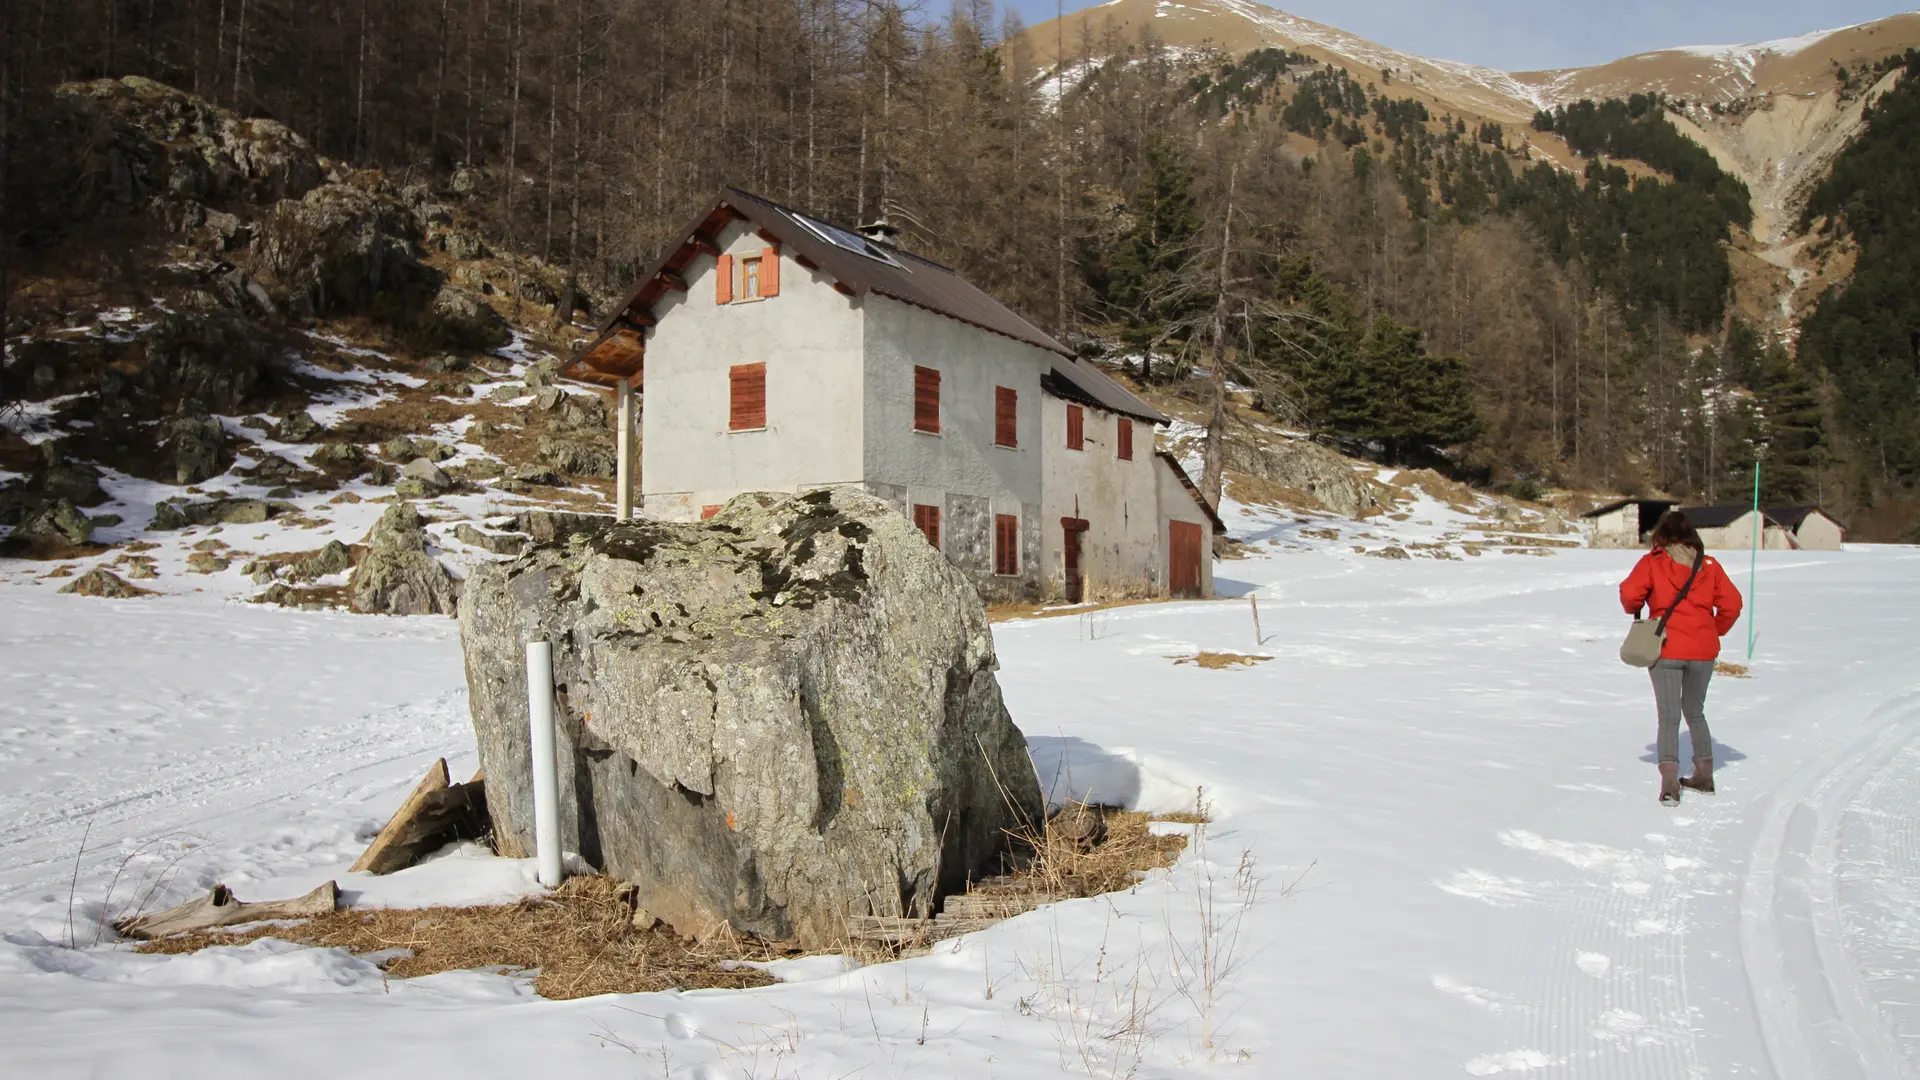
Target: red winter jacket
1711	608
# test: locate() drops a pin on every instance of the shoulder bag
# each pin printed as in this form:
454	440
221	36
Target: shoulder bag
1645	638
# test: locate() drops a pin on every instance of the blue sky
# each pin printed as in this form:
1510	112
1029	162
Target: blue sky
1518	35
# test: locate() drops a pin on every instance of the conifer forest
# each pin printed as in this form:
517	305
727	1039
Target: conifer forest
1408	283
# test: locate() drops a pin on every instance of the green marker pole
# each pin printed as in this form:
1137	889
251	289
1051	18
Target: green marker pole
1753	564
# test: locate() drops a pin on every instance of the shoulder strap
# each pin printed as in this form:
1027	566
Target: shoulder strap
1699	561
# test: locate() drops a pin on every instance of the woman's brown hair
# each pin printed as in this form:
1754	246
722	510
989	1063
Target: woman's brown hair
1674	528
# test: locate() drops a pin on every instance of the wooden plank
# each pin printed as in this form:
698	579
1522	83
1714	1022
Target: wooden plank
386	846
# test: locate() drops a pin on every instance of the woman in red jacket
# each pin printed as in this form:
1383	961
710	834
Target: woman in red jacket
1708	611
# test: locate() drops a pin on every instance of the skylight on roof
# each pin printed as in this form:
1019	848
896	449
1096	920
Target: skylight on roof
847	241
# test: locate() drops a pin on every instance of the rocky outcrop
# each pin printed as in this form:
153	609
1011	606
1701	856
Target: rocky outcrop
193	444
422	478
75	481
497	543
460	320
57	521
174	514
397	576
340	247
1321	475
215	360
331	559
150	140
772	720
579	457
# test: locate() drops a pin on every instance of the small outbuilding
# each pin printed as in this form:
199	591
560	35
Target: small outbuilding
1728	527
1623	524
1809	528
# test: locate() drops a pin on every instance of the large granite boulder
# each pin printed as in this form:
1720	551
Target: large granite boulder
774	719
397	575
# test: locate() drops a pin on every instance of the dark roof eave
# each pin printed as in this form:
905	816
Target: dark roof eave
1049	344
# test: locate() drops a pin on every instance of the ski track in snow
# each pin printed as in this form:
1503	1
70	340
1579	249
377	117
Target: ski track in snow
1500	897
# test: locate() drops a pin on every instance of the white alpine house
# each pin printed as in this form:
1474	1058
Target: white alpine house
778	352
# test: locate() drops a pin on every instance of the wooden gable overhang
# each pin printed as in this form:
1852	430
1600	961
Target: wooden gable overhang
618	352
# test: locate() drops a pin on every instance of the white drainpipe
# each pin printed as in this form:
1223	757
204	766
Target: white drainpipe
546	779
624	444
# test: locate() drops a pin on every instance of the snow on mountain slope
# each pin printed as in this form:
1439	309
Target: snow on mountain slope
1727	73
1700	73
1440	781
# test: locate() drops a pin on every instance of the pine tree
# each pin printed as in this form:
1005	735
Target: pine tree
1391	390
1790	403
1145	278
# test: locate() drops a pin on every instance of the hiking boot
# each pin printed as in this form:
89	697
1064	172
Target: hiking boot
1702	778
1669	783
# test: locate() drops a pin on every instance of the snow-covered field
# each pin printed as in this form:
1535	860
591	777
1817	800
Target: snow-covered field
1435	849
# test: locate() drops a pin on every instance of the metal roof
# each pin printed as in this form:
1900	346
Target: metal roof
822	245
1714	517
1079	380
1602	511
857	265
1792	516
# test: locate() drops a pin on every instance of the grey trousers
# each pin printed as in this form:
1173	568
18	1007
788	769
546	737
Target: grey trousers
1680	689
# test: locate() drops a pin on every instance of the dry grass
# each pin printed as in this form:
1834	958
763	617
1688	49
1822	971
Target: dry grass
1736	671
1065	865
1259	491
1219	661
580	938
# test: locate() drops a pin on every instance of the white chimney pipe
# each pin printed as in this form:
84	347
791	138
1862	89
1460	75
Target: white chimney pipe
546	778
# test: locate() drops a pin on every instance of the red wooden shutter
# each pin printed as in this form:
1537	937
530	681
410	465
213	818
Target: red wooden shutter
1124	438
723	280
1006	415
748	400
1006	545
926	401
770	271
710	510
927	520
1076	431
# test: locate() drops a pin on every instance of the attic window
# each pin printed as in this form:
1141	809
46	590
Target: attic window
1076	428
747	277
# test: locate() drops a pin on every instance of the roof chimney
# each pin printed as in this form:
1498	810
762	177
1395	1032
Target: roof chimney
880	231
